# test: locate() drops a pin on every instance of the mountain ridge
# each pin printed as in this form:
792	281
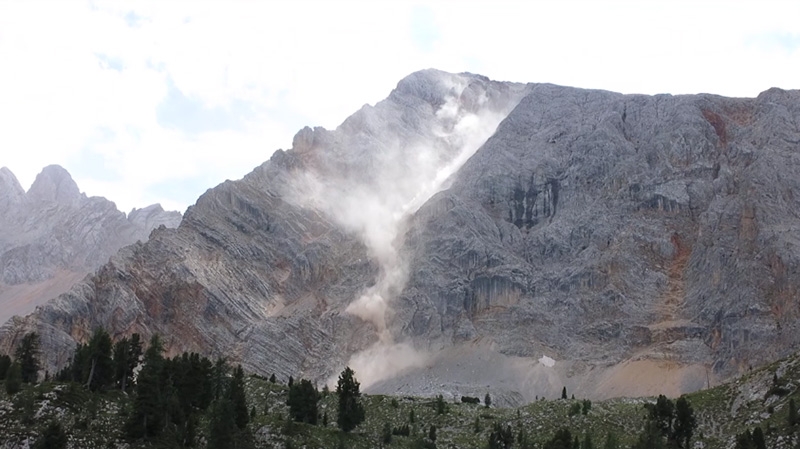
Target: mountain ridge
53	235
463	221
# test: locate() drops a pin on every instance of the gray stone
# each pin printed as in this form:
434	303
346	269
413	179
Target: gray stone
53	235
645	244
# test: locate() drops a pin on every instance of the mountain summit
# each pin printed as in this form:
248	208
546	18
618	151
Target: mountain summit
465	232
53	235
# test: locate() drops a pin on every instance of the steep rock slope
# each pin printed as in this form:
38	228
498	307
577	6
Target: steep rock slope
263	269
53	235
616	244
647	244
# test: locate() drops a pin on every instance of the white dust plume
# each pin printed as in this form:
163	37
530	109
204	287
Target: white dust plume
403	176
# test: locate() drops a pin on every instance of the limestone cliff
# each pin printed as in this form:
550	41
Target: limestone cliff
465	232
53	235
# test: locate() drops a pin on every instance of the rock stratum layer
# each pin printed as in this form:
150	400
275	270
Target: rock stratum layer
53	235
466	235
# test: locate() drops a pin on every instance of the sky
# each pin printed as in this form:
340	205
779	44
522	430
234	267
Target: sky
146	102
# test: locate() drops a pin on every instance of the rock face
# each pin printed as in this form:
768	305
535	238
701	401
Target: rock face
465	232
53	235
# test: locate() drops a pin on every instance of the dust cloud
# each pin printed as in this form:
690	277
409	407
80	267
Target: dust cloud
403	176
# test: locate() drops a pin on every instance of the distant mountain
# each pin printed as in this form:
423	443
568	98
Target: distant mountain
53	235
466	234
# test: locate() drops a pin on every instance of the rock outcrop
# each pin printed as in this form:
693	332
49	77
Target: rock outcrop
465	232
53	235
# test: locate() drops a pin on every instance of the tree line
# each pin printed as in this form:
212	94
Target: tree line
169	395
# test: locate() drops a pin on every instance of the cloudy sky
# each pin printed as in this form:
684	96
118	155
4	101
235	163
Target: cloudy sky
156	102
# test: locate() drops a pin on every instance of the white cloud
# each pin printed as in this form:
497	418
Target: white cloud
315	62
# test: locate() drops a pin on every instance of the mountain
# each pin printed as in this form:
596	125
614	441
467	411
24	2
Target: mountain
466	233
53	235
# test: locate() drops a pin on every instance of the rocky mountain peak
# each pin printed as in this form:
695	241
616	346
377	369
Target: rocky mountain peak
11	192
54	184
465	232
54	235
153	216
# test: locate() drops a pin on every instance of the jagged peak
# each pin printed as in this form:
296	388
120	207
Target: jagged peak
54	183
153	215
147	209
11	192
9	184
429	85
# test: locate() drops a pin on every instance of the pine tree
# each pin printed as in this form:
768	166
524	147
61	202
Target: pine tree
101	366
53	437
5	363
564	393
501	437
14	379
685	423
148	416
27	355
432	433
272	378
441	407
238	398
222	424
744	440
561	440
127	356
351	411
302	402
758	439
219	378
793	419
487	400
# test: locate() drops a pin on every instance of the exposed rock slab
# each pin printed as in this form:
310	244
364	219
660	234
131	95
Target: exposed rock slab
53	235
616	234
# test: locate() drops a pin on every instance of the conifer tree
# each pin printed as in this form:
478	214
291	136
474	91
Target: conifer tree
238	398
53	437
302	402
793	419
5	363
564	393
127	356
487	400
501	437
684	425
441	407
148	416
27	355
351	411
758	439
222	425
14	379
100	366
